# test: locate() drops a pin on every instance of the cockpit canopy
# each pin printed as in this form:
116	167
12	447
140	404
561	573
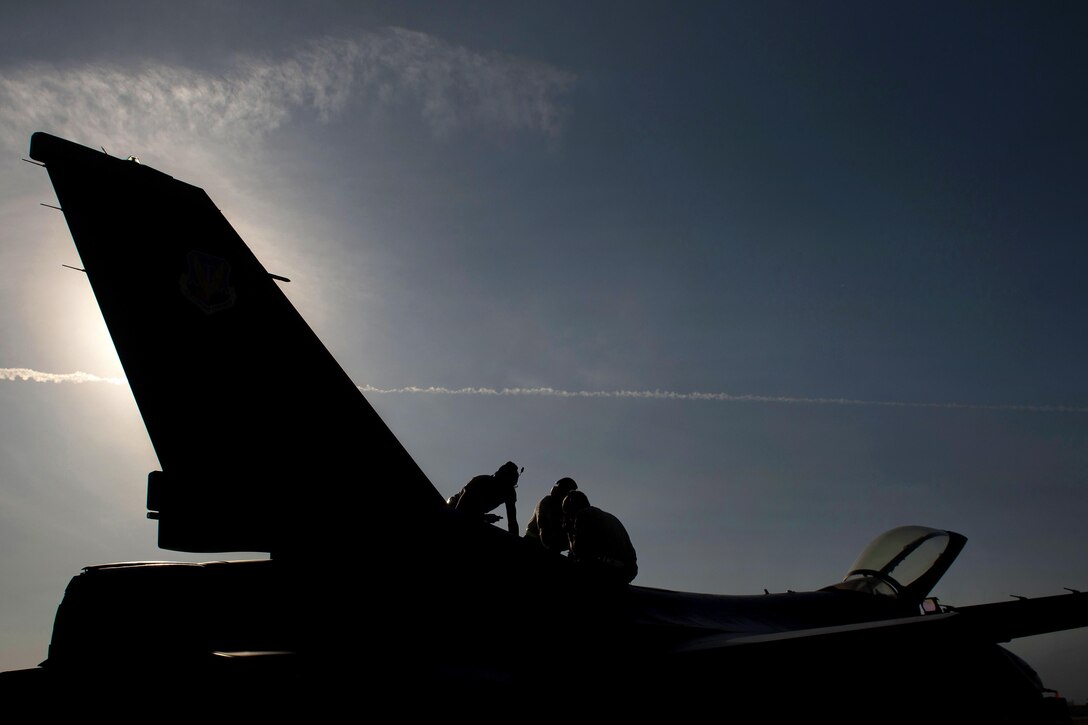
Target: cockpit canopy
905	563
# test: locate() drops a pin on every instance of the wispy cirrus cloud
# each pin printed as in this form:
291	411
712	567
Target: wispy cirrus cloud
451	87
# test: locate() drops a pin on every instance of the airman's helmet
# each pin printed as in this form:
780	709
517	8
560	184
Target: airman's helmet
562	487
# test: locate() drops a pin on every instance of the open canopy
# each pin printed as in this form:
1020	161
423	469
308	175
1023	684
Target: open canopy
905	562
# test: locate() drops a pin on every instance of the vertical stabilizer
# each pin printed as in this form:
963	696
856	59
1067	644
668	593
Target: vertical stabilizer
264	441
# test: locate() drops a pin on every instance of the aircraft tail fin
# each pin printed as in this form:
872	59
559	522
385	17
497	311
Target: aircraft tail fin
264	441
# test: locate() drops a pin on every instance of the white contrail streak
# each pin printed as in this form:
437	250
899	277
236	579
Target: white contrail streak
39	377
721	397
81	377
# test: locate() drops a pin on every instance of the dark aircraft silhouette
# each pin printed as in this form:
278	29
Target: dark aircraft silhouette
377	594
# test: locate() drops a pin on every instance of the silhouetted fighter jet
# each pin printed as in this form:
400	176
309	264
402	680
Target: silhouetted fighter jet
265	444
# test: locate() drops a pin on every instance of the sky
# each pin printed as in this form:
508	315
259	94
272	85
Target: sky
766	278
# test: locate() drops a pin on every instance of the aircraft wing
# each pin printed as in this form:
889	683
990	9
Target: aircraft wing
265	442
996	622
947	665
1005	621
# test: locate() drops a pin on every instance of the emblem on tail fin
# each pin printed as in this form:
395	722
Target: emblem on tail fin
207	282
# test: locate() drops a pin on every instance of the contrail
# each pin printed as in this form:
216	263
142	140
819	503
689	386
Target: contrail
722	397
39	377
82	377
